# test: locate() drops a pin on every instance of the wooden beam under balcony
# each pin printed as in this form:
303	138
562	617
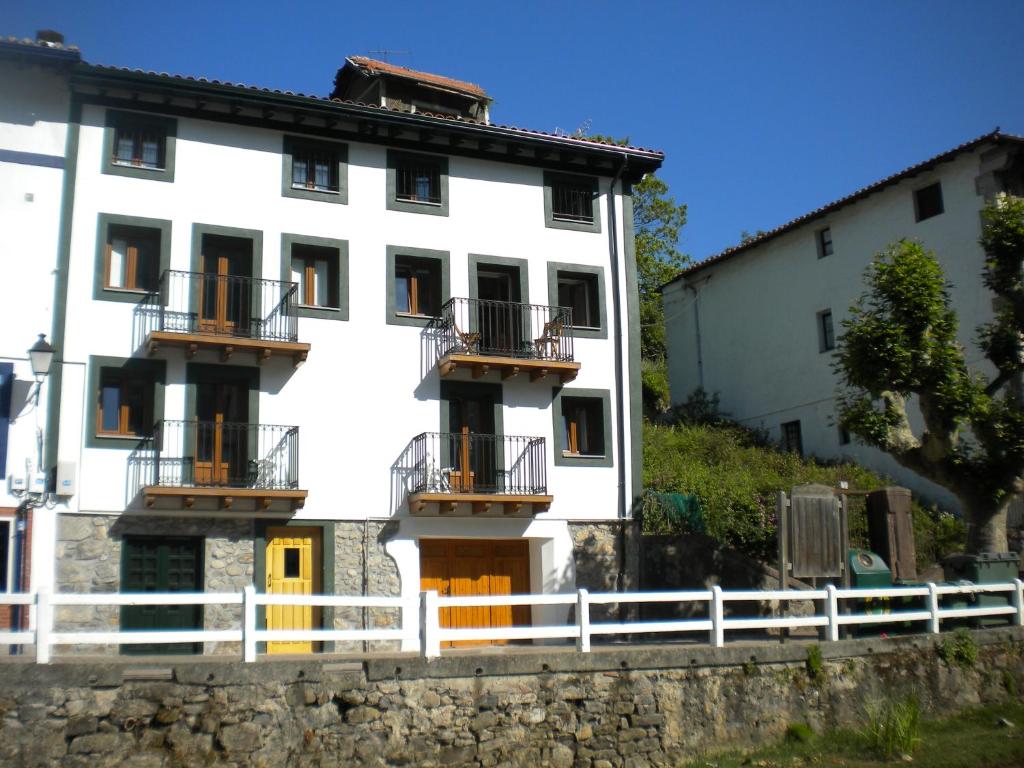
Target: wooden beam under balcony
227	345
479	503
225	496
479	365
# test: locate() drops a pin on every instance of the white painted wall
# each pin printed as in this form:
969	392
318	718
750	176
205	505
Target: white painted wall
362	395
759	336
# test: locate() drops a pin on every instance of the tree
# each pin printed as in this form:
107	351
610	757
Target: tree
900	342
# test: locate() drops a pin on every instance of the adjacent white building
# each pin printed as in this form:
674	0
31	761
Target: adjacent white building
362	344
756	324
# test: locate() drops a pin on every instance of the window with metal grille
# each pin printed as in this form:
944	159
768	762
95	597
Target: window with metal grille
417	286
314	169
572	202
826	331
125	403
928	202
315	269
418	180
824	242
139	146
579	292
791	438
132	258
584	426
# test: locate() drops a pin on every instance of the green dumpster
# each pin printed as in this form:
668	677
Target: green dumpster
868	570
982	568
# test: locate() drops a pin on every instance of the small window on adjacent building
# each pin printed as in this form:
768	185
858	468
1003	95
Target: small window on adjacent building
826	332
140	146
572	201
584	426
315	269
824	242
132	260
418	180
417	286
791	439
579	292
844	436
928	201
125	403
314	168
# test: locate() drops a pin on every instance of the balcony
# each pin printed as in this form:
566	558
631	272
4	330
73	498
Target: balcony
226	313
482	335
450	468
189	460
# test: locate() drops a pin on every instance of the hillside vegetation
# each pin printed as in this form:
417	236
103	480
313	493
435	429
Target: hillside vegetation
735	473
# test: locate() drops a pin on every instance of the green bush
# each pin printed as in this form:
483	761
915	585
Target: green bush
735	476
815	665
894	727
959	648
799	733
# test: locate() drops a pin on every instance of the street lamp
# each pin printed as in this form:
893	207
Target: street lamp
40	356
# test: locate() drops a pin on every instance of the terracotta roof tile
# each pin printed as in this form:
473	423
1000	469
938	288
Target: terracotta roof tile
426	77
994	136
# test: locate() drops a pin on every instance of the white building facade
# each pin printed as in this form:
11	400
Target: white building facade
757	323
322	346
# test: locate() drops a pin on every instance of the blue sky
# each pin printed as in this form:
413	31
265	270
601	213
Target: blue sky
765	110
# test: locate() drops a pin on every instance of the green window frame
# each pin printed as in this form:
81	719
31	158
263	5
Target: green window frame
150	374
107	225
587	273
565	400
139	128
561	193
331	159
403	194
335	252
438	263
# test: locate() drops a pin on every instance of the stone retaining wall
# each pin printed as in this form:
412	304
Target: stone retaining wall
623	707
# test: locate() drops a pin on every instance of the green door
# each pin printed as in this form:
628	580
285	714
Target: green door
157	564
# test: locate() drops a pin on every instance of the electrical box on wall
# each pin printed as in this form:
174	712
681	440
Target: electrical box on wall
66	471
37	482
16	483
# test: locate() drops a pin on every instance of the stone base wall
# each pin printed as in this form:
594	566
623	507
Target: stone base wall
363	567
88	557
626	707
601	550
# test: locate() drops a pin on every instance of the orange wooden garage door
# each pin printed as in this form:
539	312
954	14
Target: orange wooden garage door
475	567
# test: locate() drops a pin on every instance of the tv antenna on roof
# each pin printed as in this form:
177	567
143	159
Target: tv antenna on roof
383	53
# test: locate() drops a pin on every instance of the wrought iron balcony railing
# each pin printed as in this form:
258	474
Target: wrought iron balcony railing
215	454
454	463
504	329
232	306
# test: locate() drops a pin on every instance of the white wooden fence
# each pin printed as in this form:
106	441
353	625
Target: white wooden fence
420	616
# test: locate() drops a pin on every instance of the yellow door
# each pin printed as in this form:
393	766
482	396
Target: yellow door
293	568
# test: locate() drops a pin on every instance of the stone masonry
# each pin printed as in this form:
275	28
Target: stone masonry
362	566
616	708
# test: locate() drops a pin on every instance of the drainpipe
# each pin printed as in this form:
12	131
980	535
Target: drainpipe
696	326
620	383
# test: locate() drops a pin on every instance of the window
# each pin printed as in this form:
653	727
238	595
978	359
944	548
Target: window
824	242
826	332
131	255
579	293
6	391
139	145
417	183
125	404
569	202
417	285
928	202
315	170
127	399
791	440
580	288
5	540
844	436
582	427
316	272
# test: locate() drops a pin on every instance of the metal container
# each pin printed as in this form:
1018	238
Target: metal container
868	570
982	568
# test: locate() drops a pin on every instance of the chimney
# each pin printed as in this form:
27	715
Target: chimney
50	37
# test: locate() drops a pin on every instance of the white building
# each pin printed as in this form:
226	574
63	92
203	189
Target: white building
756	323
440	312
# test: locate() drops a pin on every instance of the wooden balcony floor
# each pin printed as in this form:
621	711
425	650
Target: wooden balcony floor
225	495
227	345
480	503
508	366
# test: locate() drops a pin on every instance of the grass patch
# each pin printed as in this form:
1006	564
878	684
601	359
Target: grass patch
894	727
959	649
967	740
